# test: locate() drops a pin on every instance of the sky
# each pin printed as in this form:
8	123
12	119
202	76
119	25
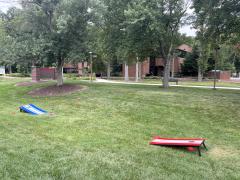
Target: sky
6	4
188	30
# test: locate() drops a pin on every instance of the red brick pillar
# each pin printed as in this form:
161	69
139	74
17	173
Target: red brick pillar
35	74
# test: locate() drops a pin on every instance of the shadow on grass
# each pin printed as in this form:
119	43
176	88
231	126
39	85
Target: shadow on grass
185	150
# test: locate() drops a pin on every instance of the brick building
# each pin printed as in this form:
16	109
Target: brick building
80	68
220	75
155	65
70	68
43	73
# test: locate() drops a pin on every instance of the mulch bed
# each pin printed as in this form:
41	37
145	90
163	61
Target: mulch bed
55	90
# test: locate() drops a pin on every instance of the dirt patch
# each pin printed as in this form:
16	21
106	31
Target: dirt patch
55	90
218	152
30	83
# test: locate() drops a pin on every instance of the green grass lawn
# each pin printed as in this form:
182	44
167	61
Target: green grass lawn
103	133
195	83
186	83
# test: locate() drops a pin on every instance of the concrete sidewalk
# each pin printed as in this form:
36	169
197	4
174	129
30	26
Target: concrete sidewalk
146	84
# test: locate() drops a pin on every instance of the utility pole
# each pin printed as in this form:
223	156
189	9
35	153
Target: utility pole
91	66
217	48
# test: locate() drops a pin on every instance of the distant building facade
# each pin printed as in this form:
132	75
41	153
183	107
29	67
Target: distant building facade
80	68
43	73
220	75
154	66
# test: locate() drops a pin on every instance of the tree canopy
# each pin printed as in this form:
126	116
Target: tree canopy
53	32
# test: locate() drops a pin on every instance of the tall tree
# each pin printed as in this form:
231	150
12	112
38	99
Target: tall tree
202	12
98	41
137	36
161	20
114	32
190	65
53	30
17	46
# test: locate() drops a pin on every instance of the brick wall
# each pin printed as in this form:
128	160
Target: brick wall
145	66
35	74
43	73
81	67
159	62
47	73
177	65
132	69
221	75
225	75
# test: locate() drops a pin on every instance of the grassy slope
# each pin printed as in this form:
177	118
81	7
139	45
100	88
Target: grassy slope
103	133
195	83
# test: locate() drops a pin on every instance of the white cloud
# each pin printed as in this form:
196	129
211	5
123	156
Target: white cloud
6	4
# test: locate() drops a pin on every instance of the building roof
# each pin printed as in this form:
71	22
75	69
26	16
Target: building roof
69	65
185	47
237	46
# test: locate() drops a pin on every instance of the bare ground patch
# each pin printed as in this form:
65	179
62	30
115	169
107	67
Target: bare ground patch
55	90
219	152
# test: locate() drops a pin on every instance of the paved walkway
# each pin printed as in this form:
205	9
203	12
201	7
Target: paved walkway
146	84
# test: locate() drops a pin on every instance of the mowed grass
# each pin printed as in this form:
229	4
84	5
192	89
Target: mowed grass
104	133
233	84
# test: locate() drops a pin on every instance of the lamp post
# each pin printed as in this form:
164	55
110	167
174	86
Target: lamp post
217	48
173	63
91	66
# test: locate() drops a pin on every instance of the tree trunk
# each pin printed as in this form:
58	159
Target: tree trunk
166	73
108	70
140	71
60	73
199	74
10	69
27	70
137	71
126	72
173	66
167	65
